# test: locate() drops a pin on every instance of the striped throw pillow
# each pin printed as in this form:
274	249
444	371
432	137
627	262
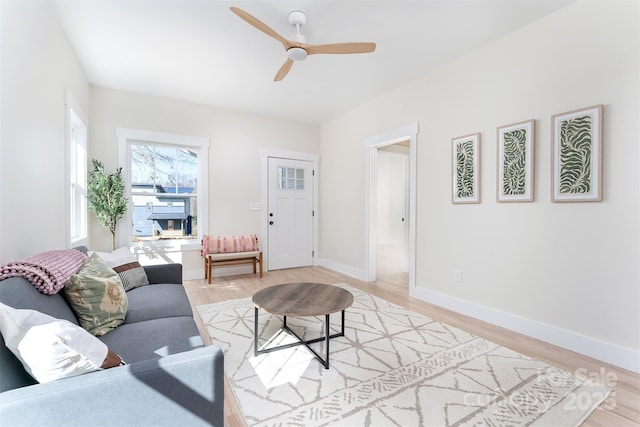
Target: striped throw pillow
123	262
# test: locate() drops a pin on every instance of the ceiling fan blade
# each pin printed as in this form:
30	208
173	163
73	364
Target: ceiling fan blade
282	72
339	48
261	26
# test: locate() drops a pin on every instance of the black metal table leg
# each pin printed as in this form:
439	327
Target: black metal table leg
255	332
326	342
326	338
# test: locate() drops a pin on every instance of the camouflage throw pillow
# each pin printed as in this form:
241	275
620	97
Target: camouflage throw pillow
97	297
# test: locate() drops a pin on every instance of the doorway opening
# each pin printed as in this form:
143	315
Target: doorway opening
407	137
392	225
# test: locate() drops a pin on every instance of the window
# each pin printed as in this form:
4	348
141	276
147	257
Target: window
164	198
77	178
290	179
166	186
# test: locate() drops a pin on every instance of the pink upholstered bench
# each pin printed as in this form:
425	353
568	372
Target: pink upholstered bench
219	251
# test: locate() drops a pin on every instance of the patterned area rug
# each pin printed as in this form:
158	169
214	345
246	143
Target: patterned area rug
393	367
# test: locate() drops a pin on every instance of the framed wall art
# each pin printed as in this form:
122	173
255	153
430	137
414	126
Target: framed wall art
465	155
577	155
515	162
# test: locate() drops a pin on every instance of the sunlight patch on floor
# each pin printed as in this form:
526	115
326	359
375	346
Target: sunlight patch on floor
226	285
281	366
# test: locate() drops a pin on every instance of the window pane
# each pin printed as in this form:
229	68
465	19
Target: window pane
77	178
281	178
164	167
299	179
187	171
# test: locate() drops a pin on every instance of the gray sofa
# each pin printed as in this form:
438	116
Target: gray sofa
170	377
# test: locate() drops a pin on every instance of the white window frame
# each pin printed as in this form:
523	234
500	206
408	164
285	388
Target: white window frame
126	137
76	131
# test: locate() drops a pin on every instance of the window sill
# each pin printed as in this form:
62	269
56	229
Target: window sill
164	246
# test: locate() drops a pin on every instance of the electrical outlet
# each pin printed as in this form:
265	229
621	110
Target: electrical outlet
457	275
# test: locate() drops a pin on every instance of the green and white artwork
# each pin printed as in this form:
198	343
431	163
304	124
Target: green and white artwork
515	162
577	155
466	169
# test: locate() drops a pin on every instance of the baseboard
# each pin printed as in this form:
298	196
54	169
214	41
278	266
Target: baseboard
193	274
198	273
597	349
343	269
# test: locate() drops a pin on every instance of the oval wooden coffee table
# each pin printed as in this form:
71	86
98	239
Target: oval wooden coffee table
301	300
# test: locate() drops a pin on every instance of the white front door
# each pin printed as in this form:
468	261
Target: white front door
290	213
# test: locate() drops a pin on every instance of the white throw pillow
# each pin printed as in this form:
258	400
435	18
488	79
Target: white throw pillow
123	262
50	348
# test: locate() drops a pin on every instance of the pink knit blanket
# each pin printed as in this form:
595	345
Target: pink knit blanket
48	271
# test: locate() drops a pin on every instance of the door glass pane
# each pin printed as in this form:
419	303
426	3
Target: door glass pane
290	179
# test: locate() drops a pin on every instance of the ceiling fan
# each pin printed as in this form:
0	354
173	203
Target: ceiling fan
296	48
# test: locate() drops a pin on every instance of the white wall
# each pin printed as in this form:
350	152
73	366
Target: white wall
567	273
235	174
38	68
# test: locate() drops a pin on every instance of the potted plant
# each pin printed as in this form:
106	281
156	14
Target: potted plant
105	195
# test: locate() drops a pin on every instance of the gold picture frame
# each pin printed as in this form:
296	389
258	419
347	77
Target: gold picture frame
576	163
515	162
465	163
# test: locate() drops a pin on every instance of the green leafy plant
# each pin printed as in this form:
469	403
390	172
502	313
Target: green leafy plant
105	195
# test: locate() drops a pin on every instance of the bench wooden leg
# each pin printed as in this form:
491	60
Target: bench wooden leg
260	257
208	265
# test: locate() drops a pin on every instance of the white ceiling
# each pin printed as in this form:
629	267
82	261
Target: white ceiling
200	51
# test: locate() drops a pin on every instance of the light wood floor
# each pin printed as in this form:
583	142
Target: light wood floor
622	407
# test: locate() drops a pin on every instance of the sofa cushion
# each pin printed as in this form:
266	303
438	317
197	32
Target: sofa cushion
50	349
17	292
158	300
164	273
123	262
13	373
164	336
97	297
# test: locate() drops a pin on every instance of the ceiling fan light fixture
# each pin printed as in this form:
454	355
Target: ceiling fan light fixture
297	53
296	47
